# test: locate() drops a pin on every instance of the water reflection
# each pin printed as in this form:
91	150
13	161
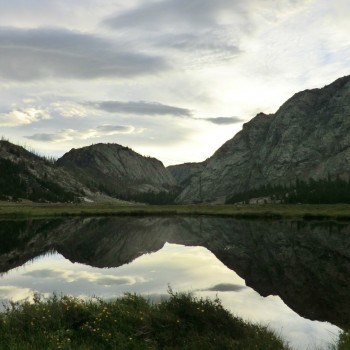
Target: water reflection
306	264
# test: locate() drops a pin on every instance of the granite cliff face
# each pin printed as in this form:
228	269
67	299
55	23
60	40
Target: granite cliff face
308	137
182	173
117	170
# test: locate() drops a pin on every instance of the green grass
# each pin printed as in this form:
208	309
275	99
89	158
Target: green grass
271	211
131	322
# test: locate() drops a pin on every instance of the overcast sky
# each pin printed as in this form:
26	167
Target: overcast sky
173	79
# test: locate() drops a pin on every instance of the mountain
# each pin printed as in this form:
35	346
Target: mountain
307	138
119	172
102	172
28	176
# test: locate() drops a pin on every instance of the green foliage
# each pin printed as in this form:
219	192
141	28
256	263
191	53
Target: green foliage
321	191
159	198
17	182
344	341
11	183
325	191
131	322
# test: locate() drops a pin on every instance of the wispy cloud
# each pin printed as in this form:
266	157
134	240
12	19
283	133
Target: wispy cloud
140	107
155	109
72	134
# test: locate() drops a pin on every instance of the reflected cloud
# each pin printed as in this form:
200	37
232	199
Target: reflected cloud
80	276
225	287
15	293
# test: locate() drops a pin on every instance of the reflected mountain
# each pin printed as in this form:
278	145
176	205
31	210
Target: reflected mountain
306	263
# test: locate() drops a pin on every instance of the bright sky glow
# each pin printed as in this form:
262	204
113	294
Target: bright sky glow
169	78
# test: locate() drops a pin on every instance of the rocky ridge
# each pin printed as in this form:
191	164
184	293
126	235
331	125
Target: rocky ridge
182	173
308	137
117	170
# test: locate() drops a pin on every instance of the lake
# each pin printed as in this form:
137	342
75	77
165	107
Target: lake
291	275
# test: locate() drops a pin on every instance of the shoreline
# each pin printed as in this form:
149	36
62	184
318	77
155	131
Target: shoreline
339	212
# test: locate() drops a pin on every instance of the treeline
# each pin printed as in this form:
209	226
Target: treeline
155	198
17	182
18	150
321	191
122	190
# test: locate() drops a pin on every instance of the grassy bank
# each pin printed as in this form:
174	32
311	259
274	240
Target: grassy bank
296	211
130	322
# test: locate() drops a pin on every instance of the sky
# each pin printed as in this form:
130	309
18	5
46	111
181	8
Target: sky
172	79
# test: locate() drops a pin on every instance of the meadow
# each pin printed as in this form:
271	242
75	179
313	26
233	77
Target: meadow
270	211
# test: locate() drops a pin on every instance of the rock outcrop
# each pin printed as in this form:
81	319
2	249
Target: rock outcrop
308	137
183	173
117	170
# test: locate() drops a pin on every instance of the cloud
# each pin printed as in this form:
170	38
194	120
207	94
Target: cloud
22	116
69	109
199	27
140	107
213	45
154	109
33	54
223	120
165	14
72	134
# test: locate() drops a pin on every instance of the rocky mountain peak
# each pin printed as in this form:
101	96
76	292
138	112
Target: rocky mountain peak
117	170
308	137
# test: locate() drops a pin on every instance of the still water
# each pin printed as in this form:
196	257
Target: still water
293	276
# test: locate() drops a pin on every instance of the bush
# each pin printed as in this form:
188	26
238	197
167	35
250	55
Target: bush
130	322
